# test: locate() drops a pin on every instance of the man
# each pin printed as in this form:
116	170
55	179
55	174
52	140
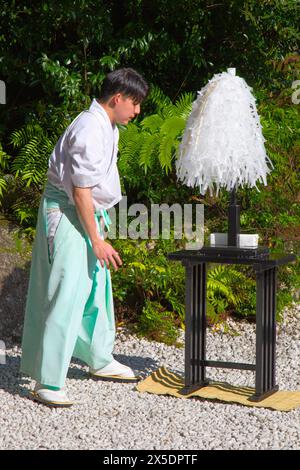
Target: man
69	310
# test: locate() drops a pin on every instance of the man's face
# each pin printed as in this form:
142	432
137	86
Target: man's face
125	109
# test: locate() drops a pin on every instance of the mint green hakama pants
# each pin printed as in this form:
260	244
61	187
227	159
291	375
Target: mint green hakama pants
69	309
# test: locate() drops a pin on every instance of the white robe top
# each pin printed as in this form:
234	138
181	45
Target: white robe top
86	156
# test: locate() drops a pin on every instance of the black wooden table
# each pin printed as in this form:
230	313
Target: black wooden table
265	267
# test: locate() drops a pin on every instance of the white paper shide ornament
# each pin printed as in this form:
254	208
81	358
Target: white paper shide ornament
223	145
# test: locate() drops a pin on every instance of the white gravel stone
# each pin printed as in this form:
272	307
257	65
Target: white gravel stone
111	416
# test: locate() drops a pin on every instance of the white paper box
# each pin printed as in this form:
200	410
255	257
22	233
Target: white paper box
245	240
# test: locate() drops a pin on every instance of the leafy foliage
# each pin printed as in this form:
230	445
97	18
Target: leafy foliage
276	207
53	61
4	158
157	323
34	149
148	148
25	172
156	135
153	288
50	52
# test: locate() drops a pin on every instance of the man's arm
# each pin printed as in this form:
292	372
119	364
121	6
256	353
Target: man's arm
85	209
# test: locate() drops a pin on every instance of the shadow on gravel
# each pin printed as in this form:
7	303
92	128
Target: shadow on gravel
141	365
10	378
13	382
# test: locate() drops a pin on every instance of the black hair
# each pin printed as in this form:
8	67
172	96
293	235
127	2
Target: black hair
126	81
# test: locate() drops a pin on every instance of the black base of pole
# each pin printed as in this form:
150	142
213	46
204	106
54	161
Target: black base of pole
193	388
233	219
257	398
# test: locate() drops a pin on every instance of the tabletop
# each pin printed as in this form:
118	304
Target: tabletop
232	255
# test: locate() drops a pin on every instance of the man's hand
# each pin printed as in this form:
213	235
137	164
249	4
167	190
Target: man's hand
85	209
105	253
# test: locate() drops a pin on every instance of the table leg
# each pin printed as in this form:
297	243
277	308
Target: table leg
195	327
265	333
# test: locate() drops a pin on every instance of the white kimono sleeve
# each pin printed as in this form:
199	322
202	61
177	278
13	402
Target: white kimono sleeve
86	150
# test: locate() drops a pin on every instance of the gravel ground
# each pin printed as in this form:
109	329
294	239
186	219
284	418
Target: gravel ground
114	416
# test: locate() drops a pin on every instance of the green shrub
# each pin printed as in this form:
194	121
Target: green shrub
149	289
157	323
153	287
147	275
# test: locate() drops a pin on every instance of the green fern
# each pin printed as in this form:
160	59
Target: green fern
152	123
158	98
128	162
221	291
156	138
3	186
183	105
148	150
23	177
21	137
4	159
165	152
35	147
4	165
173	126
